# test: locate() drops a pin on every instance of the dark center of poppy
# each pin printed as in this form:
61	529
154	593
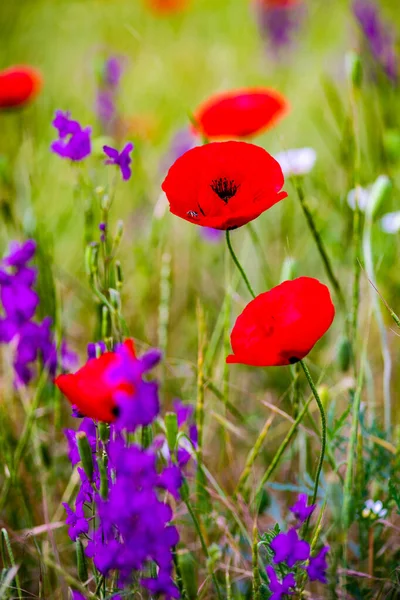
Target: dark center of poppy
293	360
224	188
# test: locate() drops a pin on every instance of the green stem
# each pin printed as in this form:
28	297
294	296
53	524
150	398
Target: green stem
320	245
6	540
256	573
197	526
323	428
282	447
237	263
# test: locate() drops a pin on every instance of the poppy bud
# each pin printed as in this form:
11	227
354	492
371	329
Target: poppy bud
289	269
171	425
354	69
343	353
85	453
81	561
379	194
91	258
103	477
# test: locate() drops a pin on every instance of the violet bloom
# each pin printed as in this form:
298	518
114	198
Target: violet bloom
74	141
31	340
288	547
278	23
142	405
107	93
135	524
121	159
113	71
300	509
185	417
318	566
280	589
76	520
379	35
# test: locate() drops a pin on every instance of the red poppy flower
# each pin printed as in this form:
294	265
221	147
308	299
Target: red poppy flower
281	326
240	113
92	390
19	85
223	184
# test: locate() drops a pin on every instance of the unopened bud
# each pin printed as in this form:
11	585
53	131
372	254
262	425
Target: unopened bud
379	194
324	395
171	426
119	232
104	432
105	323
343	353
101	463
91	259
115	299
354	69
119	278
85	453
81	561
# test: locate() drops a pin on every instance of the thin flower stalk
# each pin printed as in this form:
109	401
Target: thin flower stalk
237	263
254	452
387	359
320	245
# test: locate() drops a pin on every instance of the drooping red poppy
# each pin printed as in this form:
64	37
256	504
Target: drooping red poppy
281	326
19	85
240	113
223	184
92	390
164	7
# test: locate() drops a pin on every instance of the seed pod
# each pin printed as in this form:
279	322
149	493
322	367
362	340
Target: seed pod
171	425
81	561
85	453
104	432
343	353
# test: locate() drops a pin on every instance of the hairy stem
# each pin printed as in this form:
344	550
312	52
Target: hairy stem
237	263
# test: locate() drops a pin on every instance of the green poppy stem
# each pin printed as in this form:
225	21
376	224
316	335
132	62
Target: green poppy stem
237	263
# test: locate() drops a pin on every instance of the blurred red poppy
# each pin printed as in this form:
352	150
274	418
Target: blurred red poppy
223	184
277	3
281	326
240	113
19	85
92	390
167	6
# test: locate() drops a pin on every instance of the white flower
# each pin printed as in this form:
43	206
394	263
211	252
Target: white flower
374	510
361	195
390	222
298	161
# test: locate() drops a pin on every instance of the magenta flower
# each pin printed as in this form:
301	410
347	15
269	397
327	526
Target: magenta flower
300	509
280	589
121	159
288	547
317	567
73	141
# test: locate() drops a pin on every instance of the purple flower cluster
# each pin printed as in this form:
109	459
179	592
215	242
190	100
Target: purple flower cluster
380	38
32	340
107	93
73	141
185	417
288	548
277	24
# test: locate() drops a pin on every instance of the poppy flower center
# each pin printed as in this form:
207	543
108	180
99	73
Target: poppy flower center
224	188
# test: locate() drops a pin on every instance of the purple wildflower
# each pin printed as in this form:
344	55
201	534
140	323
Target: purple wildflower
74	141
182	141
113	71
134	523
141	406
380	37
184	412
89	428
106	109
288	547
278	23
77	596
121	159
77	521
317	566
107	93
31	340
280	589
69	359
300	509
